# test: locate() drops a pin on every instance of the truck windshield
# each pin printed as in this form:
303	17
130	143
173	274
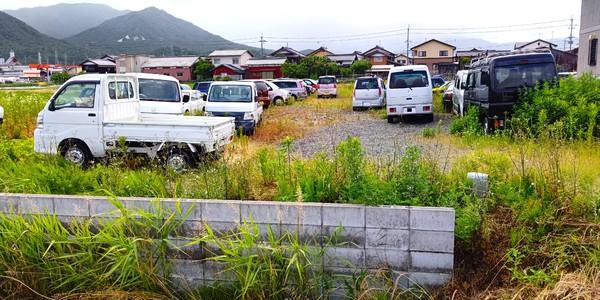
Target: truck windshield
230	93
366	83
409	79
524	75
159	90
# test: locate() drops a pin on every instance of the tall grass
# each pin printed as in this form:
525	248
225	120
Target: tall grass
20	112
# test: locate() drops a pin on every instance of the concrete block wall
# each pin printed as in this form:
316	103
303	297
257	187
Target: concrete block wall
415	243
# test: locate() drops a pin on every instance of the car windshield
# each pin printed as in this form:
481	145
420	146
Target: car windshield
408	79
525	75
286	84
202	86
326	80
159	90
230	93
366	84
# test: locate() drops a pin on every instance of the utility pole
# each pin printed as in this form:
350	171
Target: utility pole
408	44
262	45
571	35
55	56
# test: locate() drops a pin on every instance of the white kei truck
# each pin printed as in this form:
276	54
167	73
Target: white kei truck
94	114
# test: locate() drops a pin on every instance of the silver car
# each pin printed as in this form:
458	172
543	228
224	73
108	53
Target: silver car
368	92
294	86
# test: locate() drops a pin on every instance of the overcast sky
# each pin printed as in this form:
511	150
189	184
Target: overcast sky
342	25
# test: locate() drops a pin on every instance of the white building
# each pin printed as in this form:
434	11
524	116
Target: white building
588	37
230	57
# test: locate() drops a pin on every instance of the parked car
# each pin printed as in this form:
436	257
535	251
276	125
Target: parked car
1	115
567	74
442	88
294	86
197	99
327	87
203	86
409	92
160	94
458	92
494	83
275	95
312	83
236	99
447	96
437	81
368	92
92	115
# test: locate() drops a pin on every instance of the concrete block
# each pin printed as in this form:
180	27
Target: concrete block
346	215
101	207
260	212
348	237
71	206
344	257
36	204
428	218
432	262
428	280
432	241
222	228
216	271
188	209
188	269
183	284
9	203
310	214
388	217
180	249
307	234
387	258
221	211
190	229
388	238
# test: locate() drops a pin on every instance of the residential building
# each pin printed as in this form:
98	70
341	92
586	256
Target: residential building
266	68
464	57
344	60
381	71
565	61
99	66
321	52
228	70
178	67
131	63
290	54
12	60
437	55
230	57
379	56
402	60
589	33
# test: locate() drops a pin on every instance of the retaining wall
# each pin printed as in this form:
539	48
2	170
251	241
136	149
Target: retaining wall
415	243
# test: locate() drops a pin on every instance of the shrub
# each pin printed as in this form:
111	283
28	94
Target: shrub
428	132
467	125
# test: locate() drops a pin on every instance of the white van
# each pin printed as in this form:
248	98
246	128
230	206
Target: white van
1	115
161	94
369	92
236	99
458	92
409	92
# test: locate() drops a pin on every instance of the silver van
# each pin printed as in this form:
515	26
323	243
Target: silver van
368	92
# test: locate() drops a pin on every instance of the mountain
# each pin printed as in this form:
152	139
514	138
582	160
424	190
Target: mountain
27	42
64	20
151	31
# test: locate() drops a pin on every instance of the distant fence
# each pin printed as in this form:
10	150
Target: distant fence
415	243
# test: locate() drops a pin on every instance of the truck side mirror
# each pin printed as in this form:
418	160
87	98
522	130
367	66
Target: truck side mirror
204	97
186	98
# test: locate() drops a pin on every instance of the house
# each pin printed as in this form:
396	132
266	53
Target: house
228	70
178	67
589	33
230	57
464	57
98	66
437	55
290	54
131	63
565	61
265	68
344	60
321	52
402	60
381	71
379	56
12	60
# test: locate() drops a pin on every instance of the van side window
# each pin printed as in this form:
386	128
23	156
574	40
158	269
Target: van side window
76	95
120	90
593	56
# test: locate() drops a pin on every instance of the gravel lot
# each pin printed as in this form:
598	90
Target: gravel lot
379	138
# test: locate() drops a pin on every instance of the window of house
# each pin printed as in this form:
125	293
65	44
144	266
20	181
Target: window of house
236	61
422	53
444	53
216	61
593	55
378	59
179	74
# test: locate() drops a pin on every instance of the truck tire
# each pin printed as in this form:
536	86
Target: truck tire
393	119
76	153
178	160
429	118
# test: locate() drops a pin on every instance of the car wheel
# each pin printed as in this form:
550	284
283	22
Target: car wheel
278	101
178	160
77	154
295	97
429	118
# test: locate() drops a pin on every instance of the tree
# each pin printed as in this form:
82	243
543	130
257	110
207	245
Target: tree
360	66
202	69
60	77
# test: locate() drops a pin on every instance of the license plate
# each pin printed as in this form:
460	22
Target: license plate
366	104
408	109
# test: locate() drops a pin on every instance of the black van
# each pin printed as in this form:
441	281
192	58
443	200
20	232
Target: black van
494	82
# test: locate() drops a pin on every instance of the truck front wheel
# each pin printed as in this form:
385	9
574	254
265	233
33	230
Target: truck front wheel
178	160
76	153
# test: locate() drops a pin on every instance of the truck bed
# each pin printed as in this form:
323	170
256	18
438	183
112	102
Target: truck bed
165	128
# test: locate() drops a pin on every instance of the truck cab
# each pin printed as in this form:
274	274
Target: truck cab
236	99
409	92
